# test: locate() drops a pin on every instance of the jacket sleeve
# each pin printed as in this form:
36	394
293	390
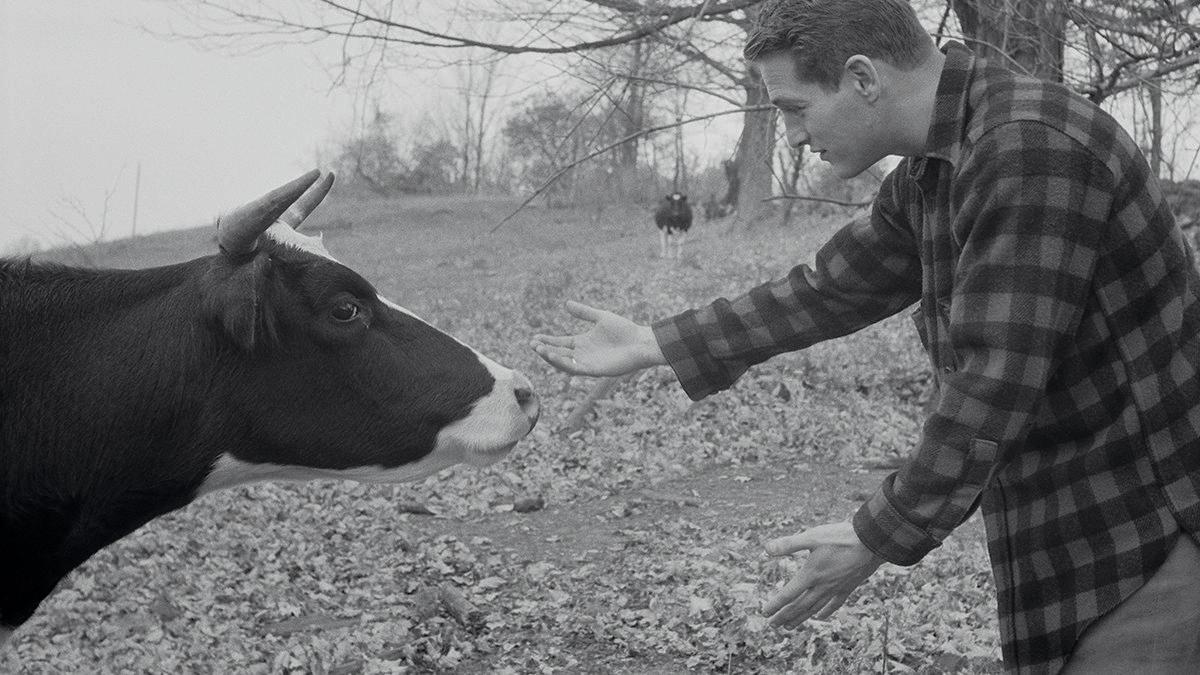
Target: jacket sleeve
1031	209
870	269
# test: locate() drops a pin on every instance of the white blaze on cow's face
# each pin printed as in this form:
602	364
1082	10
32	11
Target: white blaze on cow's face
496	421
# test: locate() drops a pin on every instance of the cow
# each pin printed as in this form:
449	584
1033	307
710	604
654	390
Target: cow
126	394
673	218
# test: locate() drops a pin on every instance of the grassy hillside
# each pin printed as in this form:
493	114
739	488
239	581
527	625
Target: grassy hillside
647	554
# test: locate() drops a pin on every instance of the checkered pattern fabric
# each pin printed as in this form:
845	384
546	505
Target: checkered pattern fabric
1058	303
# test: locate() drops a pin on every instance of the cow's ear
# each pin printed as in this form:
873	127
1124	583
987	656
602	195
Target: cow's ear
233	301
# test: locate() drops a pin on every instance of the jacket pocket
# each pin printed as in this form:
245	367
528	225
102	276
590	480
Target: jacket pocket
918	319
945	360
935	336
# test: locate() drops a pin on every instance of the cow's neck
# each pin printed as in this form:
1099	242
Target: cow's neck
127	452
58	533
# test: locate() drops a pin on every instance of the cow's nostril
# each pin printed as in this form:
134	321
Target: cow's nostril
526	398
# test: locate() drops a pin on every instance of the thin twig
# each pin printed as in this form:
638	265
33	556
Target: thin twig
824	200
942	24
610	146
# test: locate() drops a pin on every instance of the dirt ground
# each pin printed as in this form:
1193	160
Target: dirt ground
727	504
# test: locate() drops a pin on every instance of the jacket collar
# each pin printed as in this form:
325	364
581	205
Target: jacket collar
948	126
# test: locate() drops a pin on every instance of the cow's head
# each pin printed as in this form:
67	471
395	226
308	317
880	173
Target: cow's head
331	379
676	201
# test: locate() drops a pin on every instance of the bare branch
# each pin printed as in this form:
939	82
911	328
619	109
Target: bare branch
667	17
610	146
1114	84
822	200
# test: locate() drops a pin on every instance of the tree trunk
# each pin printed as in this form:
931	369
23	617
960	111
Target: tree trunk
467	137
1154	88
793	179
467	142
1027	35
481	125
754	156
631	121
733	184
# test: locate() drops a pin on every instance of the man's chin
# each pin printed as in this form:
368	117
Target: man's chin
846	172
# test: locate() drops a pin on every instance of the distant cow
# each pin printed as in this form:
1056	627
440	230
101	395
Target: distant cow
125	394
673	218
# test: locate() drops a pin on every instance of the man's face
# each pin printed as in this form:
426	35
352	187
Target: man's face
840	126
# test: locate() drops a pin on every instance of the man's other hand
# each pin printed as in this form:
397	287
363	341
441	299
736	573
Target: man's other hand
838	563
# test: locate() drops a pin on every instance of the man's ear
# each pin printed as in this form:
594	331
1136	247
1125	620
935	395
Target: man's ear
862	76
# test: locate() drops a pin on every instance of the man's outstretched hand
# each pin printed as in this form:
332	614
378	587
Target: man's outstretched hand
611	345
838	563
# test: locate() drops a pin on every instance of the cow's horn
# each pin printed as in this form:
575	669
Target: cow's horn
296	213
237	231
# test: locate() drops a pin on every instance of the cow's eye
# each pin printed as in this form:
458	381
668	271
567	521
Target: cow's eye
344	311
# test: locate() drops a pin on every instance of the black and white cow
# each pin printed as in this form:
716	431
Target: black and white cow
673	218
125	394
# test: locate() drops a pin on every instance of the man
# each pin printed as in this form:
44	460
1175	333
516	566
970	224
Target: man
1057	301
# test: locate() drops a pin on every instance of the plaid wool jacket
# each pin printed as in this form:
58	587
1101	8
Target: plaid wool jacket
1058	304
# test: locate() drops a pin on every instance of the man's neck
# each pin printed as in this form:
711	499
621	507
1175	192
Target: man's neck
914	103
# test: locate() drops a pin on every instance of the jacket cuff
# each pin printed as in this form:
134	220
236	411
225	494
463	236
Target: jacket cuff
889	535
685	350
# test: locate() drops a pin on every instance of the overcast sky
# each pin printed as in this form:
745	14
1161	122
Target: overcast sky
86	94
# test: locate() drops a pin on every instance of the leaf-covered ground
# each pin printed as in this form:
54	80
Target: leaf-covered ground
632	545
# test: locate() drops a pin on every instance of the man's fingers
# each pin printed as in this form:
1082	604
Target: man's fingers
585	312
559	358
550	351
781	613
812	605
831	607
822	535
556	340
838	563
786	595
803	541
801	610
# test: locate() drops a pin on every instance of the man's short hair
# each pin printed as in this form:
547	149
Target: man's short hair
822	34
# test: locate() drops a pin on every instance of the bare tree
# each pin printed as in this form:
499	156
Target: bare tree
702	36
79	226
25	245
1102	48
477	79
1099	47
1028	34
